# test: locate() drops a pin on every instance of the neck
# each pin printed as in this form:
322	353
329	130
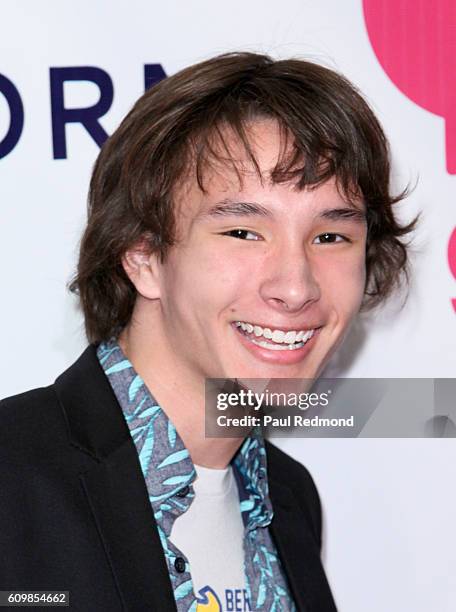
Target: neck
181	396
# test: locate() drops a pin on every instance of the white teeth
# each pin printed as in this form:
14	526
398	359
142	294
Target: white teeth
280	340
290	337
278	336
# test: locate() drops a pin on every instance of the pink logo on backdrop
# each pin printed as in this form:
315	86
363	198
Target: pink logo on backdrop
452	258
415	42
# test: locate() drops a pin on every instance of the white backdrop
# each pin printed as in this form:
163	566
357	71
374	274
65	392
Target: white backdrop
390	543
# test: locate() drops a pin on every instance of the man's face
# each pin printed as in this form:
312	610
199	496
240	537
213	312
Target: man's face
265	279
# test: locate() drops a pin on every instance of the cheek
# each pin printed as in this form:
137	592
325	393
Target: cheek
202	279
342	281
356	272
223	271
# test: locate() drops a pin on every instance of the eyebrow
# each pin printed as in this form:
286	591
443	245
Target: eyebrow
230	208
343	214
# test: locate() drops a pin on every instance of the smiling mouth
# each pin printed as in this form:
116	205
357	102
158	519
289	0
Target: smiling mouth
274	339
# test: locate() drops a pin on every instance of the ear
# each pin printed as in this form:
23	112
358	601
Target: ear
142	268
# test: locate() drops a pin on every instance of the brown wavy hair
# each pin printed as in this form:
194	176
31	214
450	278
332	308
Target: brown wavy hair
178	126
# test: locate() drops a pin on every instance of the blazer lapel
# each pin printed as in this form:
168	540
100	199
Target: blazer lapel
115	487
299	553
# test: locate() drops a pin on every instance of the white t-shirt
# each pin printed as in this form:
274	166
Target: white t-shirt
211	535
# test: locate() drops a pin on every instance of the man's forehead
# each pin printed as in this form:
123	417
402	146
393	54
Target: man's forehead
228	158
220	183
233	173
224	189
255	196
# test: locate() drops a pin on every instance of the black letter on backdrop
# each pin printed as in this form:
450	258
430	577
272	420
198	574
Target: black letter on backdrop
153	73
16	108
88	116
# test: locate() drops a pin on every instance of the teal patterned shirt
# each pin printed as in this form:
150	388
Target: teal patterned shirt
169	473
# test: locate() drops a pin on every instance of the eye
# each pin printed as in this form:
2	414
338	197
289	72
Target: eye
242	234
328	238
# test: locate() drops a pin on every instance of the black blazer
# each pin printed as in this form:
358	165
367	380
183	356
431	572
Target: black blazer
75	514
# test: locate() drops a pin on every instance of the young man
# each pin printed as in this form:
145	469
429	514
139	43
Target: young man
239	218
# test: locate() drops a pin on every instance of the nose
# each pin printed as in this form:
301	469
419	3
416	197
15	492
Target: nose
289	284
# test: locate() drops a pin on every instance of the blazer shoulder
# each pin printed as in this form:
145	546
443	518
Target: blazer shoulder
29	420
284	469
27	404
32	417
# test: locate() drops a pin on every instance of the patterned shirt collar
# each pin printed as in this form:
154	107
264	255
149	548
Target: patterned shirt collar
164	459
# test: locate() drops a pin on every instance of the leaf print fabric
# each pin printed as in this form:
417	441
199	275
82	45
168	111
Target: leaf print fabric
167	468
